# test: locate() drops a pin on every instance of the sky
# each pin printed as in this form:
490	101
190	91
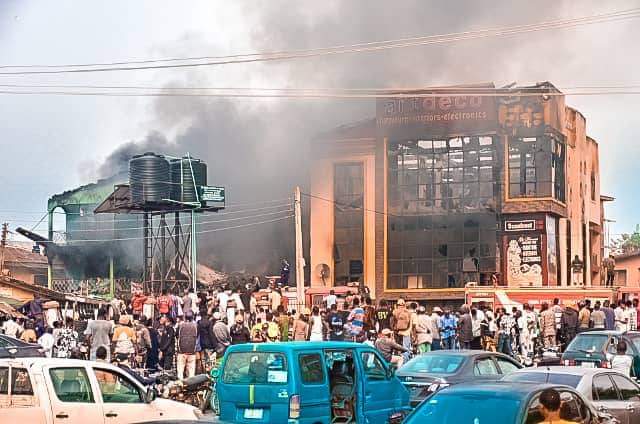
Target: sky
50	144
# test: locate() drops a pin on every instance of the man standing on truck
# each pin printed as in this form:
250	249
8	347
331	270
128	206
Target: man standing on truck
609	265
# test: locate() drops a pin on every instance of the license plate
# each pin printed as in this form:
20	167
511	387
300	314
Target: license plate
588	365
255	414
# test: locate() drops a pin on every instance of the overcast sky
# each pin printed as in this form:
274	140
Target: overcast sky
50	144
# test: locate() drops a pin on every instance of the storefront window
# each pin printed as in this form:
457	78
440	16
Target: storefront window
348	191
536	167
442	219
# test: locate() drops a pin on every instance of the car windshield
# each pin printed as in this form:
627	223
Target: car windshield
588	343
434	363
483	408
255	368
543	377
636	342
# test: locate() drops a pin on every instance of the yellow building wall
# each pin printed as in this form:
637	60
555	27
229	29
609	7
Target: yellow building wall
322	220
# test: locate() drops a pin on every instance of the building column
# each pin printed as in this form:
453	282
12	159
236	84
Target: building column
587	254
562	252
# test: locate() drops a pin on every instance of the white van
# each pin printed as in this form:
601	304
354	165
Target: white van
69	391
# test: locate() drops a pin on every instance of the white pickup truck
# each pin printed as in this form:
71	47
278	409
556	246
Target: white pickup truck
69	391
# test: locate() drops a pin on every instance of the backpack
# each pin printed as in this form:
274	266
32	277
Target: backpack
403	320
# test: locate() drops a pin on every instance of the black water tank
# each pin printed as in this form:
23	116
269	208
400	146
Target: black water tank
184	173
149	178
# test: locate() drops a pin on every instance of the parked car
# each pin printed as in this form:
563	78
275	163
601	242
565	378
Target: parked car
596	349
608	390
53	391
432	371
10	347
309	382
502	402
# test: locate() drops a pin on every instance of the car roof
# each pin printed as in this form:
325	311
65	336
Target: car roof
610	333
462	353
287	346
506	389
566	370
53	362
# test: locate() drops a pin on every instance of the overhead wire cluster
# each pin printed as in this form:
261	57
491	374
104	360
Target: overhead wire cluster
169	63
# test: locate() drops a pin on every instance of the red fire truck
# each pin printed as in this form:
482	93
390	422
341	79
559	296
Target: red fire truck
508	298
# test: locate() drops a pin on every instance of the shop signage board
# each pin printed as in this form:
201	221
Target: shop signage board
524	259
523	225
213	196
438	113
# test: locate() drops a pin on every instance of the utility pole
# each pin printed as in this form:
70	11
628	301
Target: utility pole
299	255
194	252
3	243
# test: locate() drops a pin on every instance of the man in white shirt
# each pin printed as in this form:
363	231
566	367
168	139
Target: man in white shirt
223	299
11	328
622	317
276	299
622	362
331	299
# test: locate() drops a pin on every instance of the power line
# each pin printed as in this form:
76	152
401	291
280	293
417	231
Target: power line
323	51
347	206
513	93
96	221
88	230
386	90
227	206
167	236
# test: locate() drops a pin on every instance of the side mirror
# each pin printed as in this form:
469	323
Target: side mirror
151	395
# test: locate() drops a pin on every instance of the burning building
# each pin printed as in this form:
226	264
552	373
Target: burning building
456	187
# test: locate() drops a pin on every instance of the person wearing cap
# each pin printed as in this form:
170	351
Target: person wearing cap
436	313
221	334
403	326
424	330
239	332
387	347
569	322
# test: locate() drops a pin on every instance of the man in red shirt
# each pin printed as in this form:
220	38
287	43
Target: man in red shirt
164	303
137	303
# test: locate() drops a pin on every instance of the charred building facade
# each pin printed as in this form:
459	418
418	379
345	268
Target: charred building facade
453	187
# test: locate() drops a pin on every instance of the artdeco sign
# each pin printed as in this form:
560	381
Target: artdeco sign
436	115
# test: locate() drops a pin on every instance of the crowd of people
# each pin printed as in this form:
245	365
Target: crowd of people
189	332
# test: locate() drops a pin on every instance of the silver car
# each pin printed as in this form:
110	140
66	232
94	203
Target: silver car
608	390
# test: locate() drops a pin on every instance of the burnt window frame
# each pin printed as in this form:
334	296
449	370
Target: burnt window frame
429	244
527	174
348	219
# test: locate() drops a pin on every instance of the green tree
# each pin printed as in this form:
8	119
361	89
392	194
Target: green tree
627	243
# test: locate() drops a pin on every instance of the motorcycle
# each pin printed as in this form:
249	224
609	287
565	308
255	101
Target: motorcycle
195	391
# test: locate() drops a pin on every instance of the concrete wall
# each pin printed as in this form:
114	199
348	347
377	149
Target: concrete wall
322	208
19	295
632	265
583	209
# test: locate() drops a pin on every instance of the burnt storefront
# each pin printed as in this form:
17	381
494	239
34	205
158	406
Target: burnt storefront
443	173
455	187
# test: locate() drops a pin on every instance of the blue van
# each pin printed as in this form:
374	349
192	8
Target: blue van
309	383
